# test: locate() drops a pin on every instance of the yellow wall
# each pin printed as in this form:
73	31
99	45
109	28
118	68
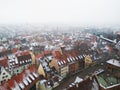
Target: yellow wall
54	63
41	70
76	65
33	57
64	71
88	60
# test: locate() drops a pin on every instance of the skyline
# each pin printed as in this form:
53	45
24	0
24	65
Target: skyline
60	11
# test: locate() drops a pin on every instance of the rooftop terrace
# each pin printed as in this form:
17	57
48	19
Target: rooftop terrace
106	80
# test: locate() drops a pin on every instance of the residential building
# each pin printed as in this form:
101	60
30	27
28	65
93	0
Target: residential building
113	66
4	75
88	61
23	81
89	83
67	63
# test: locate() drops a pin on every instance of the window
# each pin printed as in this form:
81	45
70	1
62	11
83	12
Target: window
3	73
3	77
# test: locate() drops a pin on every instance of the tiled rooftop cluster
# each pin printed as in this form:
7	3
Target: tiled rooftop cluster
22	81
17	71
57	55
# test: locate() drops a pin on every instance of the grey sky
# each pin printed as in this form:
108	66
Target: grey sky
60	11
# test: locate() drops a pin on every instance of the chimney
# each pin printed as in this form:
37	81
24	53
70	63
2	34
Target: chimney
62	49
113	60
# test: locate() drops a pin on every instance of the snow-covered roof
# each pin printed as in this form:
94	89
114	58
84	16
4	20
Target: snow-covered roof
78	80
113	41
114	62
43	81
118	45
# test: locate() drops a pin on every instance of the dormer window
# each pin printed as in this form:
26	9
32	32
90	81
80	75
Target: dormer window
68	59
81	56
30	60
31	77
10	64
21	85
61	62
10	60
3	77
35	74
73	58
20	62
6	67
25	82
29	80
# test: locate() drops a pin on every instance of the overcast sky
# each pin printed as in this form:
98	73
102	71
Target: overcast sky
60	11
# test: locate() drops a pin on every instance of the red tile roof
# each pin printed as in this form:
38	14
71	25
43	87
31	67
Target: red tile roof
14	50
11	83
4	61
57	54
38	56
32	68
22	53
67	57
3	88
47	52
19	77
4	50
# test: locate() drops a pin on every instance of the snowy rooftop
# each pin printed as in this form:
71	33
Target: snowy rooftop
78	80
114	62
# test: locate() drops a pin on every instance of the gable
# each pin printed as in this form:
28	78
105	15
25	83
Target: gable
4	75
